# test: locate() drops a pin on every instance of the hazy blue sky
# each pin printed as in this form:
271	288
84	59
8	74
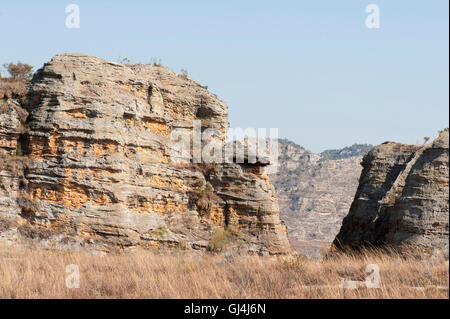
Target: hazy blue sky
310	68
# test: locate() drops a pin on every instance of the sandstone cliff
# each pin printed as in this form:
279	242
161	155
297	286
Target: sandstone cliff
98	174
12	168
402	199
315	192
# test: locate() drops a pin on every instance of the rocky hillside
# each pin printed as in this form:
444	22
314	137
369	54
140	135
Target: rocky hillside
90	166
315	192
402	199
346	152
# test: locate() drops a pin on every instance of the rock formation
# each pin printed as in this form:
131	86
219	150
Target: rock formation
315	192
12	119
99	173
402	199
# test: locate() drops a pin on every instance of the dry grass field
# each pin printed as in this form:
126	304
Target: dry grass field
42	274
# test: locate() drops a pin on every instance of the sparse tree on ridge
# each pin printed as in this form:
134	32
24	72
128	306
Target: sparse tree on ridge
19	70
184	73
445	130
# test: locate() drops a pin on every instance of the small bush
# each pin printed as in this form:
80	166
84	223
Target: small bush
156	62
182	245
295	263
198	183
208	188
445	130
184	73
19	151
123	60
207	169
219	240
13	88
202	197
160	232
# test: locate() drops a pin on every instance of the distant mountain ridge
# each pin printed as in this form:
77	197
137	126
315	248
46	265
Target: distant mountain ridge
346	152
315	192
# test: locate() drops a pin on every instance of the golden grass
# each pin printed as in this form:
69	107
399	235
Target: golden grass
42	274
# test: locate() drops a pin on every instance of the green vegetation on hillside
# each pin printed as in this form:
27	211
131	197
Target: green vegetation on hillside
346	152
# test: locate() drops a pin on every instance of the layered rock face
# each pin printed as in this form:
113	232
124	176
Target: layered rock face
12	115
315	192
102	176
402	199
12	119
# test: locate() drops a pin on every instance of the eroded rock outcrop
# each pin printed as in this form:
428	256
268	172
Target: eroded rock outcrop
12	168
402	199
100	175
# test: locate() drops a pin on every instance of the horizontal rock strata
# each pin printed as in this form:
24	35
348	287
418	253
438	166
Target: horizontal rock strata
101	174
402	199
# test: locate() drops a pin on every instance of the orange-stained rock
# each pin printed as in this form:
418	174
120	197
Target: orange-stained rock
100	174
